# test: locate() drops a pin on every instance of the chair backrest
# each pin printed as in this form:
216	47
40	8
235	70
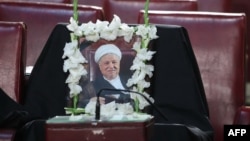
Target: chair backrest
218	41
12	58
41	18
128	10
53	1
244	6
91	2
214	5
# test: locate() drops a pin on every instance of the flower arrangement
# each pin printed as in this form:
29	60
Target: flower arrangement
74	60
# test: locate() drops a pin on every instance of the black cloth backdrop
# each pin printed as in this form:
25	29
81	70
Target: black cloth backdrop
176	87
178	90
46	94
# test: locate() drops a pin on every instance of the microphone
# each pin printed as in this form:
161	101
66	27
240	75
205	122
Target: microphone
98	105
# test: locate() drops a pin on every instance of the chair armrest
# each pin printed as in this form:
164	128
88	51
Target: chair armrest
242	116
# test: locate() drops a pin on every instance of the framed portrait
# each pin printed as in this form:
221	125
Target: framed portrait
88	50
95	75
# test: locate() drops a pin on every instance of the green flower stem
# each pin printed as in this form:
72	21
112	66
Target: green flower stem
75	10
146	19
75	100
75	17
137	102
74	110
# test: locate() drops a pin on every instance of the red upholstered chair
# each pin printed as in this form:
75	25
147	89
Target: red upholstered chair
127	10
12	58
244	6
214	5
53	1
91	2
41	18
219	44
12	64
243	116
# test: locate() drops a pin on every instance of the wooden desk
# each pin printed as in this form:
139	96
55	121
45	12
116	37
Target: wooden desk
60	129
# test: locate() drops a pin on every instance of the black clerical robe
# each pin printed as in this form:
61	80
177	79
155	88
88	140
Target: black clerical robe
91	89
100	83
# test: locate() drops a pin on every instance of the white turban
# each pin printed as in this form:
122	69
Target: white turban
106	49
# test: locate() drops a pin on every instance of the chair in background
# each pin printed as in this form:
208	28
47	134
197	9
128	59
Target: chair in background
219	44
90	2
244	6
214	5
12	64
12	58
52	1
127	10
41	18
211	5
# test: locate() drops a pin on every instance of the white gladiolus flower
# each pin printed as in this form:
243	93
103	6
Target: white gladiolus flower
74	89
142	31
108	109
152	32
68	64
77	57
90	31
93	37
137	64
126	31
73	78
89	28
78	71
130	82
148	69
90	107
142	103
73	26
143	84
134	79
136	46
115	23
144	54
69	49
124	109
109	34
100	25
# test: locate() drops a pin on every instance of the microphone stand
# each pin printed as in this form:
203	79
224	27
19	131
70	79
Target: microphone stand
98	105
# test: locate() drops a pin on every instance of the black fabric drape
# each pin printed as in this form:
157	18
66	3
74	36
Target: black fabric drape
47	91
176	87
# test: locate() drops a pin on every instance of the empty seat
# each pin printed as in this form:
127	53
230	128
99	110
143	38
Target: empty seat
41	18
53	1
91	2
219	44
12	58
128	10
214	5
12	64
244	6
